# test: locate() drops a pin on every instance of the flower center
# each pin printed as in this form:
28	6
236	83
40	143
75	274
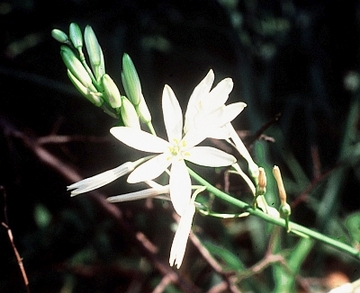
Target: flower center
178	149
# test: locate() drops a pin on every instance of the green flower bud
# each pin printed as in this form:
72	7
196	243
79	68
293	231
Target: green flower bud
60	36
143	111
95	52
128	114
75	66
130	80
88	92
285	210
76	35
111	91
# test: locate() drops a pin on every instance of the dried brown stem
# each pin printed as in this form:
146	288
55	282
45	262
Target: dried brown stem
69	173
11	239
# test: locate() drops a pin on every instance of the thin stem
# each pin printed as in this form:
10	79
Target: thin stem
294	228
151	128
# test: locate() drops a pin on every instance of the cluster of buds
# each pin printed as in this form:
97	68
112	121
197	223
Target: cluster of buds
95	84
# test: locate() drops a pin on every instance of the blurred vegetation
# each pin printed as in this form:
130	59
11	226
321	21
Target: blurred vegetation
296	65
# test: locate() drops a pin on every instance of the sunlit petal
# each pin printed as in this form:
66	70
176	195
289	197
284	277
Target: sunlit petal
195	102
209	156
180	186
219	94
203	88
172	114
178	247
101	179
195	136
221	116
139	139
151	169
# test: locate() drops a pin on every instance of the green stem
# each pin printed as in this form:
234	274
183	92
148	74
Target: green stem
295	228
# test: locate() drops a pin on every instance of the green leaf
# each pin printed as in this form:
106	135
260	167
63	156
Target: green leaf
231	261
352	223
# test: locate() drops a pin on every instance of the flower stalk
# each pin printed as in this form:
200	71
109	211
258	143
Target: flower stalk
295	228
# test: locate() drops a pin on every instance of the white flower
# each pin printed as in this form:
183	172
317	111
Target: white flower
174	151
181	236
206	110
209	105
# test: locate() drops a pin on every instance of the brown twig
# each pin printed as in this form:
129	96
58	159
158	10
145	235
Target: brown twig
11	239
69	173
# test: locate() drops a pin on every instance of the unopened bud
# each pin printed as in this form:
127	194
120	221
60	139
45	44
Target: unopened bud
143	111
285	210
95	52
76	35
280	184
75	66
88	92
262	179
130	80
60	36
111	91
128	114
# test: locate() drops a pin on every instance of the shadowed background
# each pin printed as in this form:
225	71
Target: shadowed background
295	63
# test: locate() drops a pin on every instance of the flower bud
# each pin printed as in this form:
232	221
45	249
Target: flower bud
143	111
111	91
60	36
130	80
88	92
128	114
76	35
95	52
75	66
280	184
262	180
285	210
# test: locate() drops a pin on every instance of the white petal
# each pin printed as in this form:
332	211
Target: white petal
172	114
219	133
101	179
139	139
195	102
203	88
219	95
150	169
221	116
194	137
150	192
180	186
209	156
181	236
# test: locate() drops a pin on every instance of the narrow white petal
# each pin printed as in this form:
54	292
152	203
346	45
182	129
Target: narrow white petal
219	94
219	133
221	116
243	151
150	169
172	114
195	102
139	139
180	186
178	247
150	192
203	88
209	156
101	179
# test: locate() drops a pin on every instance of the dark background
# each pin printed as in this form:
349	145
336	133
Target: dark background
293	58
